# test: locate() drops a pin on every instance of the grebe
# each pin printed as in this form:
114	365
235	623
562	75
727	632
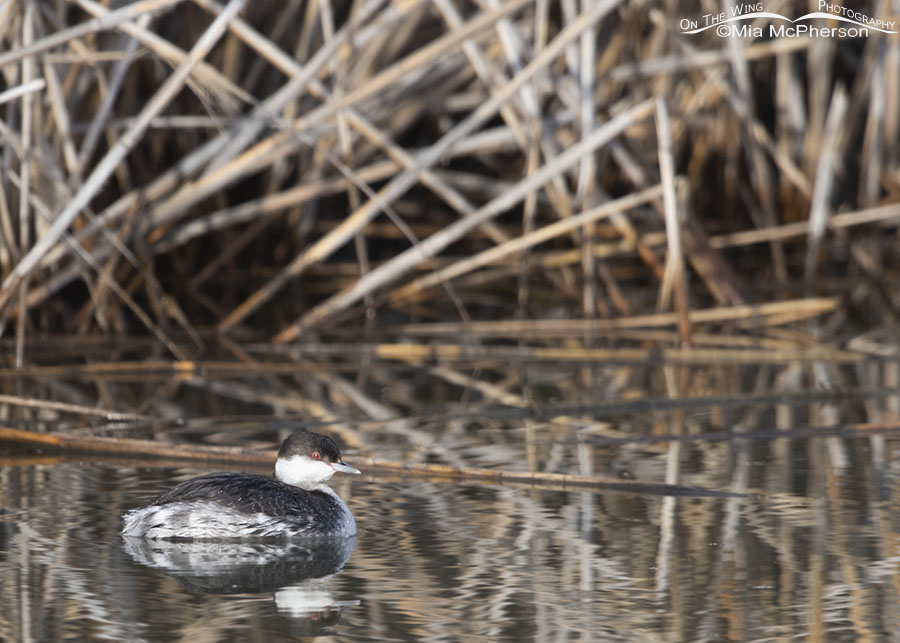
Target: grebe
297	502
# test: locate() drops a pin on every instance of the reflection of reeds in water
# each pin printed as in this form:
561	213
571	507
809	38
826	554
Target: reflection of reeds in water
483	562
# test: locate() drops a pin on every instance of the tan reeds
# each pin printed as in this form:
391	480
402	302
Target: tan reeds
582	180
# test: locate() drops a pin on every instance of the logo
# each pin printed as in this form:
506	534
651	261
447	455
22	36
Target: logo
736	22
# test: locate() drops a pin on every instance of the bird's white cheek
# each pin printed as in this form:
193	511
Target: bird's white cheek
302	472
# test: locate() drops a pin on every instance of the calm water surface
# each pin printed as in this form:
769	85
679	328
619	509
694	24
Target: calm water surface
811	554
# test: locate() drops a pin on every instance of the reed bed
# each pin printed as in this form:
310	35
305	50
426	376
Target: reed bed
452	185
180	165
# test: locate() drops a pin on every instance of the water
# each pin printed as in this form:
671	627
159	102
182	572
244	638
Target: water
807	552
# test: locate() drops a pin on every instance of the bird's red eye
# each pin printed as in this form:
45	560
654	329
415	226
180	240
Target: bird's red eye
316	455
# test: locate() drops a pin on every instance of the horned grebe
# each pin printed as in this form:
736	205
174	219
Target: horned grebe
233	506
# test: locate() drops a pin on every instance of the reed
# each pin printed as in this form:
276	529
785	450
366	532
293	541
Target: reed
203	191
177	165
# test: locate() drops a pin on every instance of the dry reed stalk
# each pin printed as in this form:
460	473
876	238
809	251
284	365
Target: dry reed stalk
830	151
759	315
35	85
452	353
77	409
674	279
